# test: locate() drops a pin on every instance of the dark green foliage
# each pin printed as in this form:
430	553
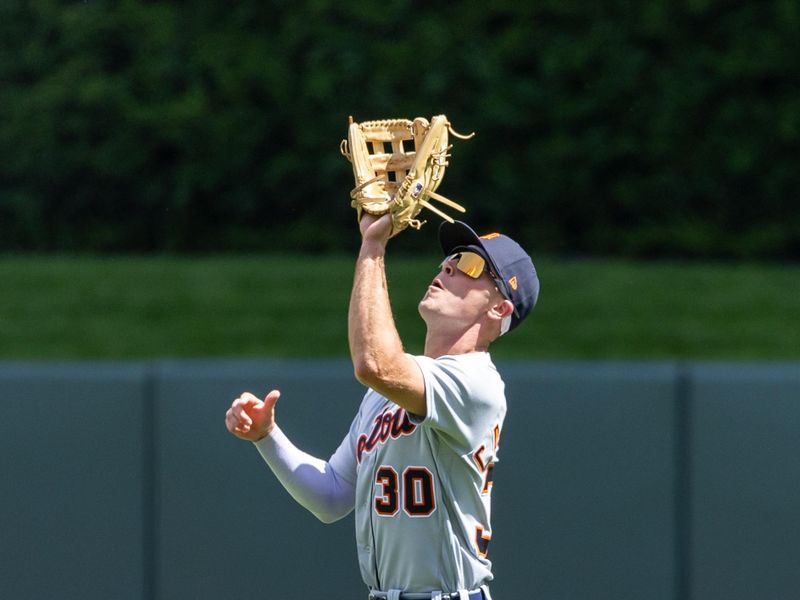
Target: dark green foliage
656	128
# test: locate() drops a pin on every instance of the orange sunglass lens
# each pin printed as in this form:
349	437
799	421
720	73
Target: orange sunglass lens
468	263
471	264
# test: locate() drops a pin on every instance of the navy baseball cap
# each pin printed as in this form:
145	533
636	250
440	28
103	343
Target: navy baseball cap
518	281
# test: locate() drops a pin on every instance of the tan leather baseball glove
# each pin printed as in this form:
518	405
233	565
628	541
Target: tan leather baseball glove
397	165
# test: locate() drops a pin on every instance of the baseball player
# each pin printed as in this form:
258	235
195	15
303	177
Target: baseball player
418	461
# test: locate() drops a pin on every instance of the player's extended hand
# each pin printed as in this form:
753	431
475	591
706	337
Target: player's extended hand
250	418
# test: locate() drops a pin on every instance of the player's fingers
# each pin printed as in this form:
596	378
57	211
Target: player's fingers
237	428
266	406
245	403
236	418
240	414
271	398
247	399
232	416
231	422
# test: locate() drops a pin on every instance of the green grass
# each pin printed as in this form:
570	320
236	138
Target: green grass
296	306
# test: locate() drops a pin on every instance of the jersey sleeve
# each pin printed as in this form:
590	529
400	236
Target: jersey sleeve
465	399
325	488
312	482
343	460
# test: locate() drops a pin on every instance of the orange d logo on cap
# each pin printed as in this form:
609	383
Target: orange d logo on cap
513	282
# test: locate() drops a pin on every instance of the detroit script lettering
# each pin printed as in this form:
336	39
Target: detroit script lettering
389	424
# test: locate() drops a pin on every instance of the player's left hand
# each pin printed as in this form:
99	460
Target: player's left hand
376	229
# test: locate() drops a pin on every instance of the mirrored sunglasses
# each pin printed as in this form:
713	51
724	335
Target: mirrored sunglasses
469	263
474	265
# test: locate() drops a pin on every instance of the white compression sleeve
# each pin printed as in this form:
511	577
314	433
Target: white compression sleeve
310	481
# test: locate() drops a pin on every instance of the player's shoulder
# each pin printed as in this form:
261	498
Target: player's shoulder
475	366
469	360
465	380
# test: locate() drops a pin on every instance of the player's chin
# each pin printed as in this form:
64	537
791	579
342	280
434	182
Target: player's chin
428	307
421	307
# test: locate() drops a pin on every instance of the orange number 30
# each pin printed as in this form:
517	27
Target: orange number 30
417	493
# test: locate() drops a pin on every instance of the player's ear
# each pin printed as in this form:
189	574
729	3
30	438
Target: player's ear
501	309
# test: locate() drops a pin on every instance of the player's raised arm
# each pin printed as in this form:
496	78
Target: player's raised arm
379	360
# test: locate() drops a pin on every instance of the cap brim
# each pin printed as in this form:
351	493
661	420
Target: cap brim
457	234
460	235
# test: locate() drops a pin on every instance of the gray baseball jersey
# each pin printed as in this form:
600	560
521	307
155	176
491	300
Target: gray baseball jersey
423	486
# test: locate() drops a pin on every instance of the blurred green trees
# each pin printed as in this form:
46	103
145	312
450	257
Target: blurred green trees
656	128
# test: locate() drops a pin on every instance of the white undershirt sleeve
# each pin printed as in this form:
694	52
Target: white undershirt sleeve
312	482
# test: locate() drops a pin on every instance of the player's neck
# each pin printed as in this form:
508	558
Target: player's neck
442	343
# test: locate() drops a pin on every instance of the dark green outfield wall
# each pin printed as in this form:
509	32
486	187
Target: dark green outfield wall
616	480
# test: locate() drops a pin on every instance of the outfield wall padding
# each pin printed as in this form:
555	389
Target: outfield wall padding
616	480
